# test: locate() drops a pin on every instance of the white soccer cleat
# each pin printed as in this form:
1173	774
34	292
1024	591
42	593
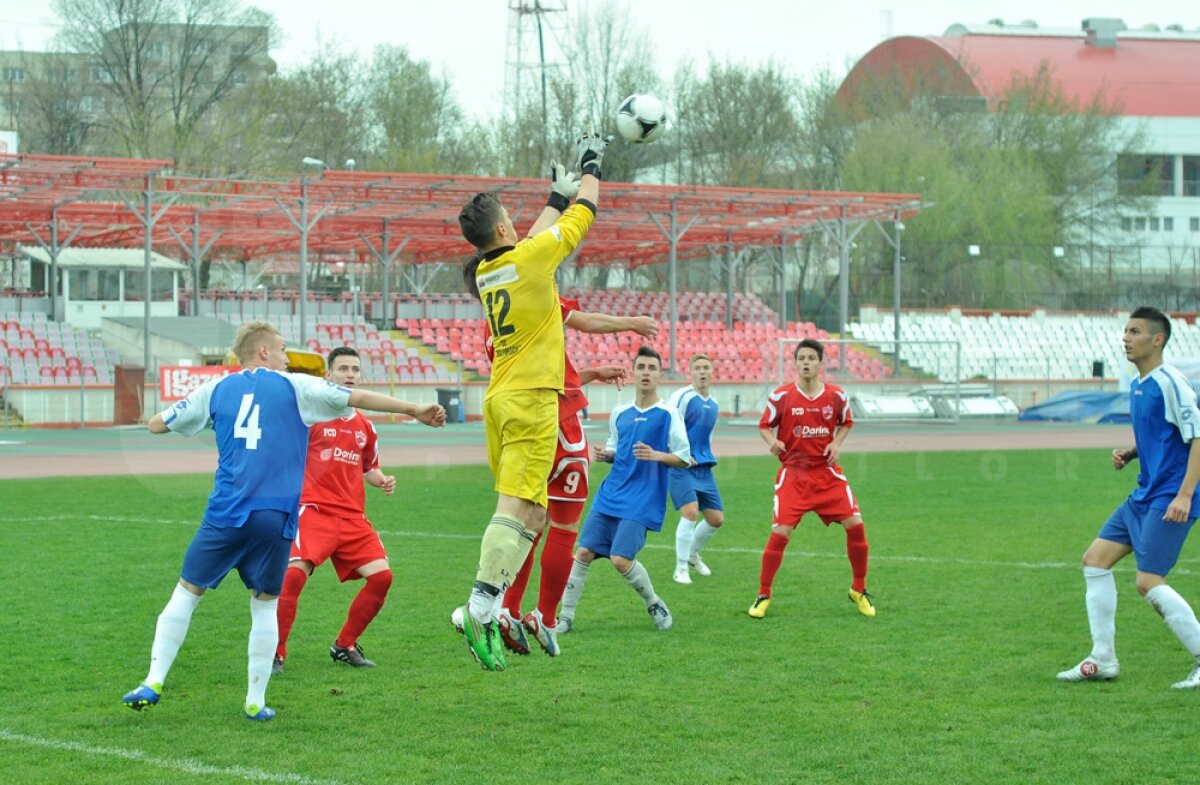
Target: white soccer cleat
1191	682
681	575
661	615
699	566
1091	670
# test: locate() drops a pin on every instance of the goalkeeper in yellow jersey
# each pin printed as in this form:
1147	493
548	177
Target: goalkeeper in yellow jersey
516	285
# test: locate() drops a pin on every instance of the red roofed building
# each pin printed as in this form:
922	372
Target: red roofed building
1148	76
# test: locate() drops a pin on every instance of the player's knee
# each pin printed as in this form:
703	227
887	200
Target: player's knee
1145	582
622	564
783	531
381	579
715	518
584	555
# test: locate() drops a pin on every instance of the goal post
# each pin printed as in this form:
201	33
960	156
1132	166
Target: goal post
926	384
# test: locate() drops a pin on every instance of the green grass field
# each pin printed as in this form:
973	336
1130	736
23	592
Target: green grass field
974	570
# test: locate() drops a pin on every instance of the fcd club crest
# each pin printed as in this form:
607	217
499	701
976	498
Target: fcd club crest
360	438
827	412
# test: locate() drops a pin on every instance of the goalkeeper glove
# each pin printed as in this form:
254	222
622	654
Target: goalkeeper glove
591	153
563	186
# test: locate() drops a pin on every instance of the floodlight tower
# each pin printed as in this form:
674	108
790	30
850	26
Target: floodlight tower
536	41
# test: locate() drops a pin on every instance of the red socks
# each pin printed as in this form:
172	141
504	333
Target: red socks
366	605
771	559
293	583
516	590
558	554
857	550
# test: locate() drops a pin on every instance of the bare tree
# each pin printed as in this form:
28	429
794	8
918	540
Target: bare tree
165	64
54	115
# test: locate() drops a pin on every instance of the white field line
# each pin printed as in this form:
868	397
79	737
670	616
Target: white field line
934	560
186	765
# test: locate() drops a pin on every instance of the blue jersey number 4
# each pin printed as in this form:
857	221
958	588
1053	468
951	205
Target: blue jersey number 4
246	424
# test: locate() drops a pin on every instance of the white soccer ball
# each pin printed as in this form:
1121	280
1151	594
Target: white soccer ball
641	118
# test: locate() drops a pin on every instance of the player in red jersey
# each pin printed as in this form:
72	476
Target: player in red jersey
805	424
342	454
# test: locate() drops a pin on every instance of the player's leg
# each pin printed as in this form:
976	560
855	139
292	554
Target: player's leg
788	507
556	563
858	553
1112	544
683	496
169	633
511	631
627	543
209	557
594	540
713	511
1160	543
360	553
522	435
316	540
294	581
263	564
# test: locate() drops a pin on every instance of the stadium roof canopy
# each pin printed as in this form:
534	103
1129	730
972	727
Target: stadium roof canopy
58	201
1143	73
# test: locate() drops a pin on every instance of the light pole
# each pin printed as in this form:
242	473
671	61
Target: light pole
898	225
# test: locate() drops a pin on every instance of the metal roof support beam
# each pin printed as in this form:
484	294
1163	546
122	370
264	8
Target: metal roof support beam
842	237
386	256
729	262
893	240
195	251
303	227
148	217
53	248
673	234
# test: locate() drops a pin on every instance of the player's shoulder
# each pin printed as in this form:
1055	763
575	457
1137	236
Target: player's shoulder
781	391
679	395
620	409
835	391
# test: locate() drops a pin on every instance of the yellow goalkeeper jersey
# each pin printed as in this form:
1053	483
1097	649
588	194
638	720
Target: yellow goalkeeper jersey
520	302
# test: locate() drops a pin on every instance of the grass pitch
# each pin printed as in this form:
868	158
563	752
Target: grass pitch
974	570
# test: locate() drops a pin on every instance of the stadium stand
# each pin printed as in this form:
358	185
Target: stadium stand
747	353
382	357
35	350
1039	345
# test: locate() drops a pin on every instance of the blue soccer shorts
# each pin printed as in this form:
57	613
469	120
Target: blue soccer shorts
694	484
608	536
257	549
1156	543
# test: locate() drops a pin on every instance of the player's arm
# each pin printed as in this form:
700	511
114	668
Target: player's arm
606	453
1122	457
680	451
1180	508
430	414
833	450
606	374
186	417
564	186
156	425
384	482
598	323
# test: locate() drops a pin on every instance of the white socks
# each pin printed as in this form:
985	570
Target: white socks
1178	615
683	541
264	635
574	589
702	534
1101	602
639	580
172	628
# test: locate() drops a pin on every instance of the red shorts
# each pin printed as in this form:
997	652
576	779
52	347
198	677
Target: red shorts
348	542
567	487
823	490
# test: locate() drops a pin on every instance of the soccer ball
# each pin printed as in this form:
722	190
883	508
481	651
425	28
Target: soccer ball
641	118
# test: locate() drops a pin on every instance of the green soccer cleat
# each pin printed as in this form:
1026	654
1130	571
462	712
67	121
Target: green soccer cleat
476	636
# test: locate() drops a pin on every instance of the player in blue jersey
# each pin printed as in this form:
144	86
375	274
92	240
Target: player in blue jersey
261	419
1154	521
693	489
645	438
